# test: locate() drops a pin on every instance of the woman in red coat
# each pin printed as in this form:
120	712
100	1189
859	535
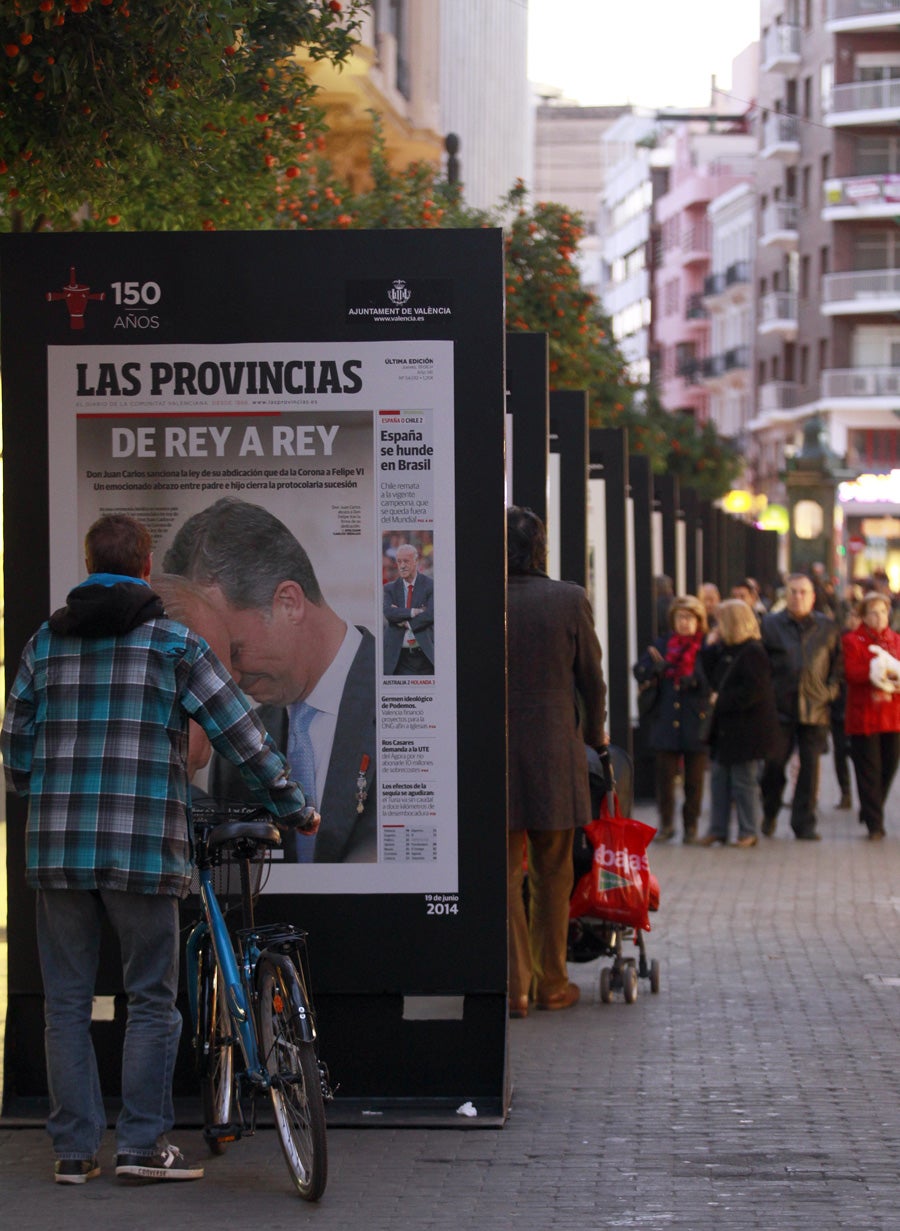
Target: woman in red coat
872	719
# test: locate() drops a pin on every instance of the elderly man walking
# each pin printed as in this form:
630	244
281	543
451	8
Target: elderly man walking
804	649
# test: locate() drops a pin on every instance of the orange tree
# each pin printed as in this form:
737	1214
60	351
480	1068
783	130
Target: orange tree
172	115
545	292
700	457
414	197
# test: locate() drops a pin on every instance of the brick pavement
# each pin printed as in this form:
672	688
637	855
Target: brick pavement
760	1089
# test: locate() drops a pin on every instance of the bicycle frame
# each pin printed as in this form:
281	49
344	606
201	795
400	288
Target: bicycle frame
237	980
256	995
236	970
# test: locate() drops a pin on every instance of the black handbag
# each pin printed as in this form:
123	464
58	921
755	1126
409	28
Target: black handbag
648	697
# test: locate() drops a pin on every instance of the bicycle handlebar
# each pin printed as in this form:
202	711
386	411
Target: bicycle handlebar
211	812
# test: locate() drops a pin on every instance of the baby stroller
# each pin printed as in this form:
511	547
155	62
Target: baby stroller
591	935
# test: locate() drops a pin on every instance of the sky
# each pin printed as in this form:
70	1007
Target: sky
652	53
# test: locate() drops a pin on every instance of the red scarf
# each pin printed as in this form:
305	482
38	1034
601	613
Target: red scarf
681	654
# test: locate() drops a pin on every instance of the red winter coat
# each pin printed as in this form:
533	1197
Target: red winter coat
869	710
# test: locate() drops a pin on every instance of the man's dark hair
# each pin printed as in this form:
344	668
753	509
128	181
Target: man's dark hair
244	550
117	544
526	541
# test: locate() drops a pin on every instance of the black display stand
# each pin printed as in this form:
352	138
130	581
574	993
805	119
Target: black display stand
411	1002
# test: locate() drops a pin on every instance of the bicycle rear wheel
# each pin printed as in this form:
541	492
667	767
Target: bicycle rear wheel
297	1087
215	1054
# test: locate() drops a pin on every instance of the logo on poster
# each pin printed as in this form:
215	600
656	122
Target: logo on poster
399	294
75	296
400	302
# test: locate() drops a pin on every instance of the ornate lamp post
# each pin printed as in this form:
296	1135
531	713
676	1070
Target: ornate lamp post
811	478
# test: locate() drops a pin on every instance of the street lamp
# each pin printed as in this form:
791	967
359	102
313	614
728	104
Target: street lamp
811	477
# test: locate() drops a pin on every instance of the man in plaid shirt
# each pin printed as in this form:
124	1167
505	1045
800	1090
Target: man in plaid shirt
96	736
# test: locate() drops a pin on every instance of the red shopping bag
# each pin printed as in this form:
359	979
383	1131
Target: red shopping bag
617	888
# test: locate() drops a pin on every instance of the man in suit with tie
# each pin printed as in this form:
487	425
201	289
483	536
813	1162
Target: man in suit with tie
409	618
311	671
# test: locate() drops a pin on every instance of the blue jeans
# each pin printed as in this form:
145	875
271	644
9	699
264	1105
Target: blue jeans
735	784
68	933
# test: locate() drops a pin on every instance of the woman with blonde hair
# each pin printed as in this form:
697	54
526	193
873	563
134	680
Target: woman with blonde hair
744	718
671	671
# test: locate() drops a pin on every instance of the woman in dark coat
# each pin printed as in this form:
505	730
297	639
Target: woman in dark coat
557	705
744	716
672	666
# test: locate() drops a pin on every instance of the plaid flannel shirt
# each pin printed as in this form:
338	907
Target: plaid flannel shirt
96	733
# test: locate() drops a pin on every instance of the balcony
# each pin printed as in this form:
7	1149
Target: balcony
727	368
780	226
778	314
867	291
861	196
778	395
738	273
731	286
713	367
713	286
864	102
737	359
695	243
780	137
861	385
690	370
844	16
696	316
695	309
781	48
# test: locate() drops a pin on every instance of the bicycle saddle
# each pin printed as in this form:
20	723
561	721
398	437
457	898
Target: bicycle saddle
231	831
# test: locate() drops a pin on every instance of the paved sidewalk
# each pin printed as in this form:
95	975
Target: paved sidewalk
759	1089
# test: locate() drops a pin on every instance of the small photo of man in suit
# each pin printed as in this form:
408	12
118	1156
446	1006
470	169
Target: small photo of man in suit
409	617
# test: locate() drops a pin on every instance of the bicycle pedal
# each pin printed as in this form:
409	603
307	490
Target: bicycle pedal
223	1133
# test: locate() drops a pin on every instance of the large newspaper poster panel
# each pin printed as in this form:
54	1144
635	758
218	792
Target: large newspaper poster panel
277	406
350	447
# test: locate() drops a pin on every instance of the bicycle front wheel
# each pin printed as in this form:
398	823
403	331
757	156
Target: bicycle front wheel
215	1053
296	1087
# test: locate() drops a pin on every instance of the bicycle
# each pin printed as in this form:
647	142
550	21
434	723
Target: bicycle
249	997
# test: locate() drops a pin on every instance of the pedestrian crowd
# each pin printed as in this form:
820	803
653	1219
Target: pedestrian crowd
753	689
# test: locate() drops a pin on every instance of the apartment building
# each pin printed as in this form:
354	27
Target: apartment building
429	68
711	156
828	259
727	372
638	173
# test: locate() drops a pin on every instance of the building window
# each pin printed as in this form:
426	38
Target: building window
804	277
874	448
824	261
391	19
877	154
876	249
